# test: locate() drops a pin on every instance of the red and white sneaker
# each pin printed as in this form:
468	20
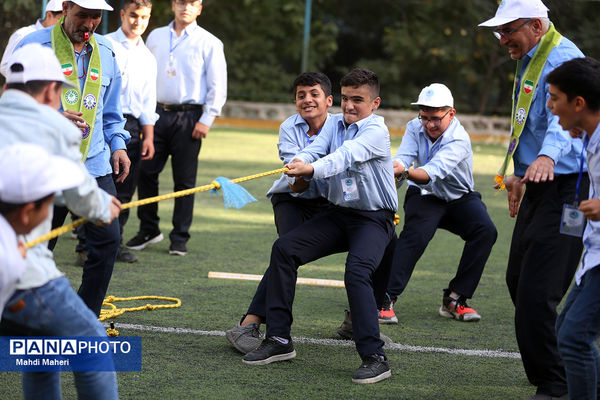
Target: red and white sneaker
386	314
458	309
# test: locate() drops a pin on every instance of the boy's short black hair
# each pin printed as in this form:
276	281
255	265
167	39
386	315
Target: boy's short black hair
579	77
7	208
362	76
431	109
138	3
312	79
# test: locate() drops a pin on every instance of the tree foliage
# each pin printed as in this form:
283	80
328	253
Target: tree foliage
409	43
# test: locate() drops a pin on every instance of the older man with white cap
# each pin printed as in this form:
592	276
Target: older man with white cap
440	194
53	13
94	106
542	261
44	303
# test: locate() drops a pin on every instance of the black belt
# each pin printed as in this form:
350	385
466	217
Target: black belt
180	107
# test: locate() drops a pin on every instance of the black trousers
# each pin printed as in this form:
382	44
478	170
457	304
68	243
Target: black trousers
102	243
365	235
541	265
290	212
423	215
172	137
126	189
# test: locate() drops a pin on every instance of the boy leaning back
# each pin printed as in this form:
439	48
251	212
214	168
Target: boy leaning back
355	155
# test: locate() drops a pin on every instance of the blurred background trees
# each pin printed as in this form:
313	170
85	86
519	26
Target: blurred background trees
408	43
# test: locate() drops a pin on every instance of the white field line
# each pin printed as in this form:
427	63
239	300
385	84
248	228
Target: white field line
335	342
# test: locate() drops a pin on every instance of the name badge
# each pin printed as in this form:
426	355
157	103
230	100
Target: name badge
172	67
572	222
349	189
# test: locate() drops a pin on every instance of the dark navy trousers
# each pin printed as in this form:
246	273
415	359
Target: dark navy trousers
423	215
365	235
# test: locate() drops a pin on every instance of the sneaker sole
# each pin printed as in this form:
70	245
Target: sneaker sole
449	315
374	379
229	335
277	357
388	321
155	239
177	253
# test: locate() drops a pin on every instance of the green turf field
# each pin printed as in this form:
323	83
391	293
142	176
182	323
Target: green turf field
200	364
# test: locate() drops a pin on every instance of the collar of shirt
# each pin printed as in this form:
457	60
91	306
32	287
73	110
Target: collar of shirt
38	25
592	146
353	128
124	40
187	30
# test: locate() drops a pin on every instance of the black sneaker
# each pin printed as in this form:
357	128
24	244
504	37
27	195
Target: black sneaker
141	240
270	350
178	249
125	256
374	368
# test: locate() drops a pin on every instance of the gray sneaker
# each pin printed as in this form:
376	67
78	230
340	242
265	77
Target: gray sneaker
244	338
345	330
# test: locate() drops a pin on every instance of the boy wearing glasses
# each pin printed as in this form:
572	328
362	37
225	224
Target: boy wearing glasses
542	260
191	89
440	194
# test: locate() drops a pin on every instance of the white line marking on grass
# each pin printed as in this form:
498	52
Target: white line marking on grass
336	342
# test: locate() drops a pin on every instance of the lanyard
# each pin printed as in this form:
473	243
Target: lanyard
434	149
585	143
171	47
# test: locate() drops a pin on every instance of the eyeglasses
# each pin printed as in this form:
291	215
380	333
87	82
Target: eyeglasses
184	3
505	33
434	120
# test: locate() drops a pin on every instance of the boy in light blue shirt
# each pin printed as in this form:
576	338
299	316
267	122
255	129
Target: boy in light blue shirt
440	194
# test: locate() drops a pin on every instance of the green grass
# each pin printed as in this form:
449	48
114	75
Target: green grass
188	366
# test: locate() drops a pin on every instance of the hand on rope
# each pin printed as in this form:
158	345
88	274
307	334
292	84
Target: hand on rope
219	183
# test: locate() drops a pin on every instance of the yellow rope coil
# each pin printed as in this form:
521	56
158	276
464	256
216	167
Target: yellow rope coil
214	185
114	312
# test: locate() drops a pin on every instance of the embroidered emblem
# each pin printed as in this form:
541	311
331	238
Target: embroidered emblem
527	86
89	101
72	96
67	69
85	132
521	114
94	74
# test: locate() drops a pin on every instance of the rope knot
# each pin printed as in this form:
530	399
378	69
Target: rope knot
216	184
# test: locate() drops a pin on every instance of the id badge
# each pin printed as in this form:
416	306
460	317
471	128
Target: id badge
350	189
572	221
172	67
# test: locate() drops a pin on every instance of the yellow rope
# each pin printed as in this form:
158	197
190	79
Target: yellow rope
214	185
114	311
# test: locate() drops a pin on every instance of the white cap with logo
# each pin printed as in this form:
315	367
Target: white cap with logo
29	173
37	63
435	95
511	10
54	5
92	4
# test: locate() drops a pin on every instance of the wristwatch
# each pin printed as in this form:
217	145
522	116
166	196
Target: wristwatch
403	175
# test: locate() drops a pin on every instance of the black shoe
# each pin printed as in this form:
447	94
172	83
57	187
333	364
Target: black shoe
374	368
125	256
346	332
81	258
178	249
142	240
270	350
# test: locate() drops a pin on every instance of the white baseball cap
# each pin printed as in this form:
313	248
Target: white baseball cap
435	95
92	4
29	173
511	10
54	5
39	63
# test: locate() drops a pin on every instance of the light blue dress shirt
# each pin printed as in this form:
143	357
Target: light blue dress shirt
201	70
22	119
292	139
448	161
109	133
591	235
542	135
360	151
138	77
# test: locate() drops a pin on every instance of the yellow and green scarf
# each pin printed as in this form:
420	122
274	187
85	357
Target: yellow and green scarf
72	98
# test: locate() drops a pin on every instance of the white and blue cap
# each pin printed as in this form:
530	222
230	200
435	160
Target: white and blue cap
435	95
92	4
29	173
54	5
37	63
511	10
